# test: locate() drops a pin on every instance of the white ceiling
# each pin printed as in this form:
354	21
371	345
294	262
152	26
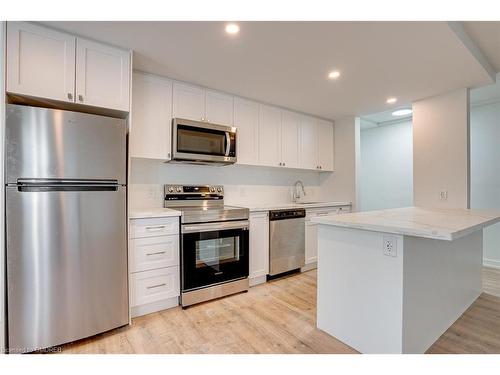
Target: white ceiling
486	35
286	63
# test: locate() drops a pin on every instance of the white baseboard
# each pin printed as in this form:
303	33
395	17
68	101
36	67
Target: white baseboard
257	280
309	266
155	306
493	263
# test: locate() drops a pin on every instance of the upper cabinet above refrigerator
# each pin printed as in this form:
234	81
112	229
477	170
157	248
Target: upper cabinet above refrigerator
49	64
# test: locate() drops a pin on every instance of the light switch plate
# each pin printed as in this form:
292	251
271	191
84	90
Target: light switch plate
390	245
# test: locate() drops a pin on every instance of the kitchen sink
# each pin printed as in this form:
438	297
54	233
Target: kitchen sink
308	202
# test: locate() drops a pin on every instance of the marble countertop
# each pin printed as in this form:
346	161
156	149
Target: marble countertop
441	224
141	213
282	206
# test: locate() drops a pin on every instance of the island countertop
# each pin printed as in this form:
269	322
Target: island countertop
433	223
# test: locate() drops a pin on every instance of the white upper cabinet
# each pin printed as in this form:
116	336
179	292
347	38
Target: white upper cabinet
290	131
308	143
325	145
199	104
49	64
150	134
188	102
269	136
219	108
102	75
246	121
41	62
316	144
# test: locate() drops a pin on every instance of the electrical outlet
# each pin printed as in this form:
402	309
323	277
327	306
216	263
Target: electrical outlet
390	246
443	195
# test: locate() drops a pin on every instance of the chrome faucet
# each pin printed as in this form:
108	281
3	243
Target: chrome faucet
296	193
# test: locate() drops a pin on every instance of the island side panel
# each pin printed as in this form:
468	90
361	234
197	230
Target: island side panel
441	280
360	290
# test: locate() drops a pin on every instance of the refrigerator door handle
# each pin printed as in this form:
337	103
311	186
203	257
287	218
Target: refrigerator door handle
67	187
63	181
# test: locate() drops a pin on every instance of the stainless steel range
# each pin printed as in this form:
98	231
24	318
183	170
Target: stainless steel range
214	242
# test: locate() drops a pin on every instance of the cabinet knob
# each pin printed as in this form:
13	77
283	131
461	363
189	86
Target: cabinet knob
320	167
80	97
70	96
284	164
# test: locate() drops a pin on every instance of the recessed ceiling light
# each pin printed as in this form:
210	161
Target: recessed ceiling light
334	74
391	100
402	112
232	28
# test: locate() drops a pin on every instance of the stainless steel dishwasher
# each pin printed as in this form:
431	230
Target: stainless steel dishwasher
286	240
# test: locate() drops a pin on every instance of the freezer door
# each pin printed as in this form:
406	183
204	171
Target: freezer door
66	264
50	143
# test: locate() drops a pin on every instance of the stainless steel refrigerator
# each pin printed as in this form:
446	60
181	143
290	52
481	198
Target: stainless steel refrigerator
66	228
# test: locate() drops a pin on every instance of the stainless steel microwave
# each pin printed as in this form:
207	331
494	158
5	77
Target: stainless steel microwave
199	142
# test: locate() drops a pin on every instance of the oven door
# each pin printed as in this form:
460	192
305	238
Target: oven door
201	142
214	253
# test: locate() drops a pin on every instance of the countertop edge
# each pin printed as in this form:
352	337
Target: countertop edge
292	206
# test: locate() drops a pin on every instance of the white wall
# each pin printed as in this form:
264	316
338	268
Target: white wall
485	172
242	184
2	206
440	150
342	184
386	174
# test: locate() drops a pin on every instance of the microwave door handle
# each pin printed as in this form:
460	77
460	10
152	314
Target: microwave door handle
228	143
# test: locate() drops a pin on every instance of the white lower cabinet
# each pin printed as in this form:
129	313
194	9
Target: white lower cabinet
311	233
259	247
154	264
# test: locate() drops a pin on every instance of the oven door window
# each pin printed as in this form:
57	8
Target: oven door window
193	140
214	252
214	257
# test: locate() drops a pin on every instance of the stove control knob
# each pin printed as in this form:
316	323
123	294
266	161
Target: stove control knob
212	189
179	189
219	189
170	189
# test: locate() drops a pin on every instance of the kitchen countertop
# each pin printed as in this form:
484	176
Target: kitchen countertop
281	206
441	224
142	213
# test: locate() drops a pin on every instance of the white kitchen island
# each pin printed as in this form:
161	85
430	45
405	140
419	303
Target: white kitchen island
392	281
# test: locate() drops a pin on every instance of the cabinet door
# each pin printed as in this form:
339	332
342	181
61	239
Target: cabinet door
151	130
188	102
269	136
311	239
102	75
259	246
219	108
40	62
325	145
308	143
246	121
290	131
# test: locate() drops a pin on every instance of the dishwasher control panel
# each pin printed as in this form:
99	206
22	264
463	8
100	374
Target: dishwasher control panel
287	214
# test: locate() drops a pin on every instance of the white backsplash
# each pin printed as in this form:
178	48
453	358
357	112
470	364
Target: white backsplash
243	185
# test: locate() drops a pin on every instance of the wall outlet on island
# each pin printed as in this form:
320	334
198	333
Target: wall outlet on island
390	246
443	195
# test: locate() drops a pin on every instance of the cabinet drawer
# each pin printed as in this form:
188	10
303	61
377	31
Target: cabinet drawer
150	253
151	286
164	226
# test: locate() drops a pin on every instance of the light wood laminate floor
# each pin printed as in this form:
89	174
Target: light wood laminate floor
278	317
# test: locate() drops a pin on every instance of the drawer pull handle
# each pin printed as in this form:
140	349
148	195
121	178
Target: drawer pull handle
155	228
322	213
155	286
157	253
